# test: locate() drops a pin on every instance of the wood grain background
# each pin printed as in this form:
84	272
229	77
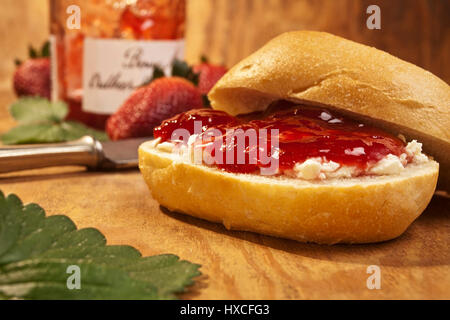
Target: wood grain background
414	30
22	22
228	30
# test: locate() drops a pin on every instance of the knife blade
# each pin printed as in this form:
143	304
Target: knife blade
87	151
121	154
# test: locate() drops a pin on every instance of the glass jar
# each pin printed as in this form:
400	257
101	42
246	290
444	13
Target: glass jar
102	50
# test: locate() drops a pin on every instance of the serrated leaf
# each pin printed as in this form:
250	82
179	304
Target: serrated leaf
183	70
43	279
179	69
35	109
166	271
45	50
204	59
74	130
50	133
158	72
41	121
36	251
33	133
32	53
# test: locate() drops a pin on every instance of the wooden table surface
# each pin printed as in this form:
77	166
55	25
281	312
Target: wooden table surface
241	265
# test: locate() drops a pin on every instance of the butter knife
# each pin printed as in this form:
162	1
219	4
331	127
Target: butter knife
87	151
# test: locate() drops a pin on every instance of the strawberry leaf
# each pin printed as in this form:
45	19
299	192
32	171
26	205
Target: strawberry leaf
35	109
179	69
41	121
204	59
50	132
32	53
183	70
158	72
38	252
45	50
74	130
33	133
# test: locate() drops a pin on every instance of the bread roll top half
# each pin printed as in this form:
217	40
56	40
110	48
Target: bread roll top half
321	69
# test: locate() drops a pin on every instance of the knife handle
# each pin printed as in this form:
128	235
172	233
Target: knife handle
85	152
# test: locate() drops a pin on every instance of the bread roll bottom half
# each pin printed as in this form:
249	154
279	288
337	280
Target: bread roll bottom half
353	210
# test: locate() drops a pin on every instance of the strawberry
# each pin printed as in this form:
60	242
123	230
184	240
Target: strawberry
148	106
32	77
209	74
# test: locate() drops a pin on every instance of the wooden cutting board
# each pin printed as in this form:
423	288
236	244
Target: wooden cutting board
241	265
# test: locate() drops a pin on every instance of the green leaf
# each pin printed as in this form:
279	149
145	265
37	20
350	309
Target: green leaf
35	109
32	53
36	252
45	50
41	121
183	70
33	133
50	133
179	69
204	59
74	130
158	72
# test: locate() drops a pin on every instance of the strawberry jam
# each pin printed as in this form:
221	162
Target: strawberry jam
303	133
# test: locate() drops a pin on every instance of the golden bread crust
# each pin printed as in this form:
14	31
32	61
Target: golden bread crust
334	211
322	68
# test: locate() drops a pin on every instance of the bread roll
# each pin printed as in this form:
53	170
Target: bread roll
322	69
357	210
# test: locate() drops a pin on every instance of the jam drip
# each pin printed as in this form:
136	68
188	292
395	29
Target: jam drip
304	133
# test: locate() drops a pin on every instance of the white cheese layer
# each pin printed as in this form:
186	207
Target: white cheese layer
319	168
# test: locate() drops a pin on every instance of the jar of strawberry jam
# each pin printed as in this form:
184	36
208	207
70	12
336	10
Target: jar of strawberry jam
102	50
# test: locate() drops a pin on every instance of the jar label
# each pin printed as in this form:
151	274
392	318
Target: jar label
114	68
